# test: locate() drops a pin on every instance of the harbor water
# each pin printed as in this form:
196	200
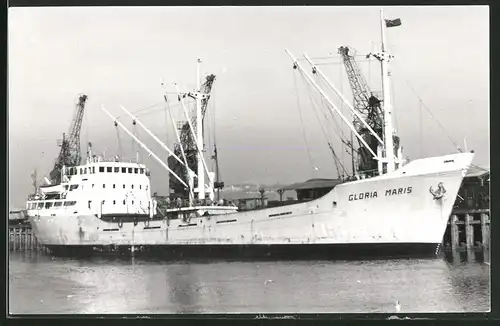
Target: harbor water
42	284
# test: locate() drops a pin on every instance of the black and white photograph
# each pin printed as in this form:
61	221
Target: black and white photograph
248	160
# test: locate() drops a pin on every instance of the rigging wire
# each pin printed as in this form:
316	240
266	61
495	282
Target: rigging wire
342	110
432	116
301	121
336	159
339	131
395	112
327	135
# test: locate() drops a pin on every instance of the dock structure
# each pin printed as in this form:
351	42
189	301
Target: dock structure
469	224
22	239
468	230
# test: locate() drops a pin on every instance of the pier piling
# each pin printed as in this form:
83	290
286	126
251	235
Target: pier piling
454	232
485	230
469	231
22	239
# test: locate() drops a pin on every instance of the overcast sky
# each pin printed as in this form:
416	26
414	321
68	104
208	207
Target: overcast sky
118	56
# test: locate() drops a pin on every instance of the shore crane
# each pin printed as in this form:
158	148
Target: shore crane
70	154
368	105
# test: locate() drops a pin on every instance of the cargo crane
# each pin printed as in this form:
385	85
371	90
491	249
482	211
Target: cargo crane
70	154
189	145
369	107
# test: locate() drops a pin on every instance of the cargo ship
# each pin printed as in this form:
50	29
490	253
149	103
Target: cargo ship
400	210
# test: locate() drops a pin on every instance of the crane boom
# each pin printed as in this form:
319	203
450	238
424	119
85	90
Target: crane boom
70	154
364	100
369	107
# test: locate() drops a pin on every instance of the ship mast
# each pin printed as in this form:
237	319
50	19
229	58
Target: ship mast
384	58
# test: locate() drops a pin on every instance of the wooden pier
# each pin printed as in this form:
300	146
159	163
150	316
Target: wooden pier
468	229
22	239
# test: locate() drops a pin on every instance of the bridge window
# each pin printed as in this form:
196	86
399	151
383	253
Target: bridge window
73	187
81	170
92	185
117	169
90	203
124	202
40	205
48	205
58	204
123	186
136	170
124	170
140	186
101	169
104	185
113	186
93	169
129	170
109	169
70	203
85	171
142	170
132	202
132	186
103	202
114	202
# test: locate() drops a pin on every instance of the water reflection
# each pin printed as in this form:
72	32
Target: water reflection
43	284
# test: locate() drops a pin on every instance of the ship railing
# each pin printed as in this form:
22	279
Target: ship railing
360	175
183	203
113	160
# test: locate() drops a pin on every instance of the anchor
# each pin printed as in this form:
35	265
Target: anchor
439	193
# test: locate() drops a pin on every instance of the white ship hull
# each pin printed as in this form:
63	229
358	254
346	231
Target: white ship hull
391	215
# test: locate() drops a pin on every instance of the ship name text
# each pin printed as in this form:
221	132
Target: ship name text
374	194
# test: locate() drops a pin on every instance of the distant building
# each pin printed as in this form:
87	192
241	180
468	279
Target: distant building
313	188
245	204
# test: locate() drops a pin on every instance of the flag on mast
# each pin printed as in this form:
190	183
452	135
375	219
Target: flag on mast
392	22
